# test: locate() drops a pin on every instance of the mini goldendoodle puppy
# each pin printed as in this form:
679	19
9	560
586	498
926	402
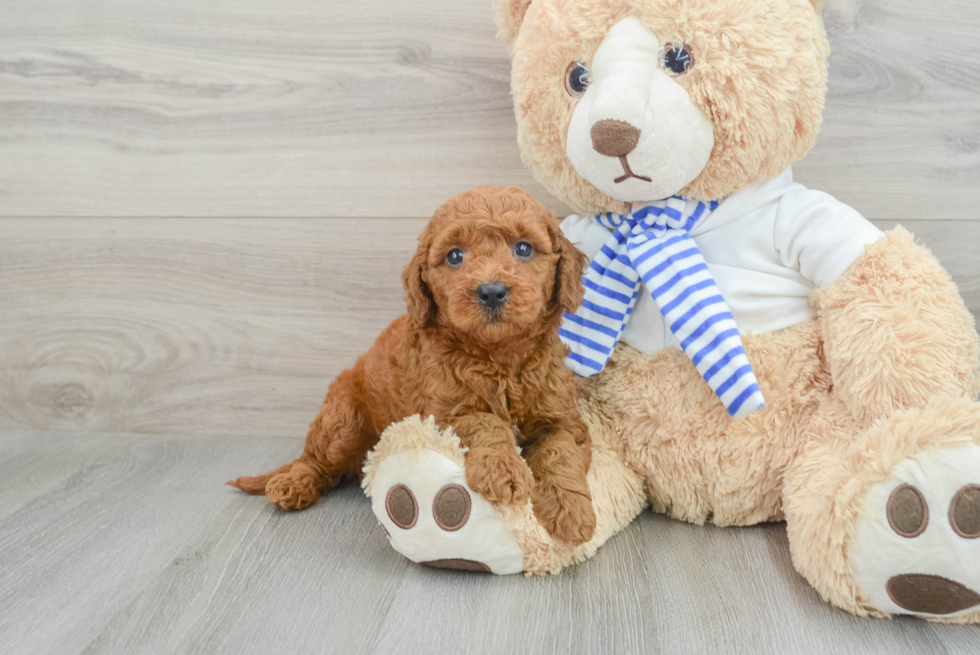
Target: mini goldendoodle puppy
479	350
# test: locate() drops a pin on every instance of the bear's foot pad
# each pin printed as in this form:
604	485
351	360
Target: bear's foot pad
918	547
930	594
431	516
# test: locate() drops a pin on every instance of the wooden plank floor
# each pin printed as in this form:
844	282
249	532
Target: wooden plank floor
131	544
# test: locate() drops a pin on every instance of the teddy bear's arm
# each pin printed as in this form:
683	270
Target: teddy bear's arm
896	331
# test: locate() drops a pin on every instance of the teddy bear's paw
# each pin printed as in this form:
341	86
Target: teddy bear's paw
432	517
918	548
419	493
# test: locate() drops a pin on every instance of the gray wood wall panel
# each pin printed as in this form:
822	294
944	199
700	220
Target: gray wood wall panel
250	108
383	108
124	325
144	550
220	326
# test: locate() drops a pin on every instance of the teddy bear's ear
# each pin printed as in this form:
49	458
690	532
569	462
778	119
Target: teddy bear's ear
509	15
818	4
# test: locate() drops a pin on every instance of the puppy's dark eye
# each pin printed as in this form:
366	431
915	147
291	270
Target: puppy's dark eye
577	79
523	250
676	58
455	257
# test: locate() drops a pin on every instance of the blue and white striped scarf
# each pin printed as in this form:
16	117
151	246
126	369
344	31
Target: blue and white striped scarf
654	243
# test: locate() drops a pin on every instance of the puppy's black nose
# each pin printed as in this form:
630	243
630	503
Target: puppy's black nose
492	295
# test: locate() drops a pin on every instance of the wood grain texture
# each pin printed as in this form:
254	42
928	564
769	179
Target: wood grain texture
143	550
220	326
385	108
251	108
125	325
901	133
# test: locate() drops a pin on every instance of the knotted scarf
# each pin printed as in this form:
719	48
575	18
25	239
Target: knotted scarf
654	244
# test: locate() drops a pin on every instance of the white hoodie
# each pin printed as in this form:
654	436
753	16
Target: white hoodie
768	247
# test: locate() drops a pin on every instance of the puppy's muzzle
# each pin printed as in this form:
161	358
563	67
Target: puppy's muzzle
492	295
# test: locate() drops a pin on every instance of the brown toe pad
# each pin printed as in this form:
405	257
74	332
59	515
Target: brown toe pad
908	513
451	507
402	508
930	594
458	565
964	512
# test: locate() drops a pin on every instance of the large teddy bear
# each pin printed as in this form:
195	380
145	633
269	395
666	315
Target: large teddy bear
754	350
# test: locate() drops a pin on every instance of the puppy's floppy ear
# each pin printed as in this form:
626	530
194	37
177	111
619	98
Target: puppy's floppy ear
418	297
509	15
568	290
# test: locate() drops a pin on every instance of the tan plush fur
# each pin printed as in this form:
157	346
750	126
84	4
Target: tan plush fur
808	456
761	78
699	464
898	324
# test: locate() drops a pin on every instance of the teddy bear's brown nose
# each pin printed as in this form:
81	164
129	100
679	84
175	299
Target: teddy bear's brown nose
614	138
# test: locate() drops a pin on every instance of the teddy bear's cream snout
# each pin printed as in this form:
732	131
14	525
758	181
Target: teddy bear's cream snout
636	134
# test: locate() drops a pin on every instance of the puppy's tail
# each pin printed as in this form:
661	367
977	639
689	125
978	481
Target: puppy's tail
256	485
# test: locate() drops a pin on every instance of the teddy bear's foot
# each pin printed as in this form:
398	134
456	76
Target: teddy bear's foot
888	521
417	484
918	549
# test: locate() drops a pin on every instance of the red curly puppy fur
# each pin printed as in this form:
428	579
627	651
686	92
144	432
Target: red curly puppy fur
479	350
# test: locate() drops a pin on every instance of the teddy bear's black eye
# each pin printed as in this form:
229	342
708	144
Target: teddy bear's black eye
676	58
577	79
455	257
523	250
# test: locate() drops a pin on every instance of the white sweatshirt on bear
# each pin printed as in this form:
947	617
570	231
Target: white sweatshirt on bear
769	247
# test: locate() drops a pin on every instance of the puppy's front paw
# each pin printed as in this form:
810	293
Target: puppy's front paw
499	476
291	491
566	515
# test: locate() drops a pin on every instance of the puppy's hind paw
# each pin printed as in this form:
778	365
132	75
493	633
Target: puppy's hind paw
295	489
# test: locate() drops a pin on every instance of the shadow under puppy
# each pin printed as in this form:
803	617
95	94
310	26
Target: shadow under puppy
479	350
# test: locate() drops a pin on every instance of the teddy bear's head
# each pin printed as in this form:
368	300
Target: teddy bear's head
620	101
